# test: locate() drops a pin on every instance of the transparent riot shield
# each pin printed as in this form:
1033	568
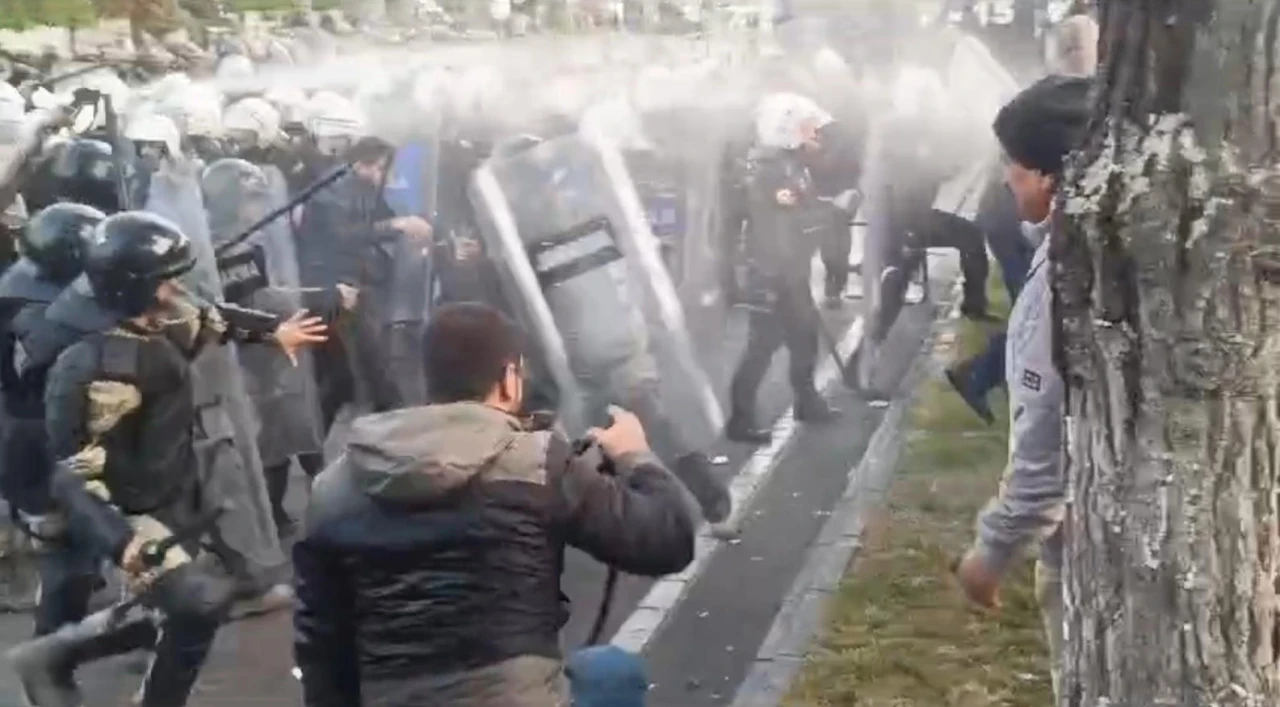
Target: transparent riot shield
227	424
583	270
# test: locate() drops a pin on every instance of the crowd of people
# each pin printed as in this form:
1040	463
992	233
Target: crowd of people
214	279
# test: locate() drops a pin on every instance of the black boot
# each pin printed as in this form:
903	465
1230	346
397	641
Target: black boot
811	408
46	666
695	472
960	377
742	428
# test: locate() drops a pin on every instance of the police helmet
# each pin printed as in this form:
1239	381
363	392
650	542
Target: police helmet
83	171
57	238
132	253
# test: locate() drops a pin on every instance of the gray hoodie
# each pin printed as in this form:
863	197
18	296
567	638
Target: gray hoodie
1031	502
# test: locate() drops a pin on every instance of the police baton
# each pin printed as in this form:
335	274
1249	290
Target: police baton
304	195
153	552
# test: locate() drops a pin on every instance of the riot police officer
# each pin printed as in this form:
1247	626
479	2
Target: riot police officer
51	246
81	170
785	227
120	419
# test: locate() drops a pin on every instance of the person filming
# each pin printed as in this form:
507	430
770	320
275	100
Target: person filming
429	568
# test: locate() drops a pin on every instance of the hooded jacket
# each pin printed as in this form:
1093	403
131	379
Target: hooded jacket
429	569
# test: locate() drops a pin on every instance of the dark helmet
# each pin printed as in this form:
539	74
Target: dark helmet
57	238
83	171
231	180
131	254
229	185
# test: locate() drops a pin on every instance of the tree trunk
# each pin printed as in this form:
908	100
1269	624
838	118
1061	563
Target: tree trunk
1167	274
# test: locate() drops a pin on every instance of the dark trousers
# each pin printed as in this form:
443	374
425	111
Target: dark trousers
791	322
277	477
69	575
940	229
998	217
835	254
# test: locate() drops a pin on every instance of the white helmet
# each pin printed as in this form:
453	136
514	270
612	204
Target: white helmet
169	86
234	68
255	116
12	108
331	115
290	102
782	119
196	111
153	127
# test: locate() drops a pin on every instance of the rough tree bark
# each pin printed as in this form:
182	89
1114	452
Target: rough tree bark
1167	272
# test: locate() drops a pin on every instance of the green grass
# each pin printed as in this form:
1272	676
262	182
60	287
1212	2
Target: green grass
899	633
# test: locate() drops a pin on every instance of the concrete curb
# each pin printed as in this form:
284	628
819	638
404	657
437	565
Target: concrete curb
802	613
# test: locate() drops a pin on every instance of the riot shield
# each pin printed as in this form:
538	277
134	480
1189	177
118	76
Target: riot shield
583	270
227	425
285	397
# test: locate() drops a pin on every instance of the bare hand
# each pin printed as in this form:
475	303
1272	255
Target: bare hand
981	586
625	436
349	295
467	249
131	560
300	330
414	227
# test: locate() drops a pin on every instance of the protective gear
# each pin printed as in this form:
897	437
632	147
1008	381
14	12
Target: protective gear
12	109
252	122
334	121
781	120
284	394
196	111
57	238
564	224
291	103
153	129
235	69
131	254
80	170
227	450
785	225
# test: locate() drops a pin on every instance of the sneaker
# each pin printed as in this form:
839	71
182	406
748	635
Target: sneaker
744	430
275	598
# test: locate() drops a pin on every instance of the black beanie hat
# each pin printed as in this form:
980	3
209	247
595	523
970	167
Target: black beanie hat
1045	122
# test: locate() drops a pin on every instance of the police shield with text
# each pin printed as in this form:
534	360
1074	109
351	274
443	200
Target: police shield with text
579	263
120	418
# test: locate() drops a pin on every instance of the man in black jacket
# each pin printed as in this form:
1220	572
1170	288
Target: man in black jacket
429	570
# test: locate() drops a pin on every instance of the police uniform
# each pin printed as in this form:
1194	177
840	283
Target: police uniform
121	421
786	225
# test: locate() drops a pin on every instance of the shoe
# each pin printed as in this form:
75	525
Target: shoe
695	472
958	377
275	598
46	672
743	429
813	409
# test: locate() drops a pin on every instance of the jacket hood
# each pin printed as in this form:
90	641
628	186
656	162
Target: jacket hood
418	455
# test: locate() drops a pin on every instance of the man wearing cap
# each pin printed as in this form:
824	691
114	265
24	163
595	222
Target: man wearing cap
1037	129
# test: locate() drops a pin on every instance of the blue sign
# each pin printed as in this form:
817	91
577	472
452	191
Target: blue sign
406	187
665	213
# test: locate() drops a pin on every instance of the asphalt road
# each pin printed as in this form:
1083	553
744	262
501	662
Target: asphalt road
704	648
